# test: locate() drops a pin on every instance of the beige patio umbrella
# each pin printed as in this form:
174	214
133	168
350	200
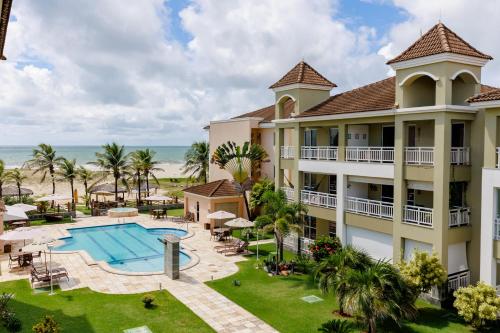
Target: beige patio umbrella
221	215
25	207
13	213
54	197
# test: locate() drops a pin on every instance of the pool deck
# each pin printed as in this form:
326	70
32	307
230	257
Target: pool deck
219	312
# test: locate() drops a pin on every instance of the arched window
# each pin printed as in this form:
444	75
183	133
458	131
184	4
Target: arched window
463	86
419	89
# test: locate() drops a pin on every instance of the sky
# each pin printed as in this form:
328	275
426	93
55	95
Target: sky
155	72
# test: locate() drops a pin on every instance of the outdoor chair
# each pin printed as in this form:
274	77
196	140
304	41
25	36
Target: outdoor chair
241	248
228	246
13	261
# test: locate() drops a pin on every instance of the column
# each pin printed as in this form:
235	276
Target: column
341	191
298	141
279	139
488	264
399	188
171	256
490	140
342	141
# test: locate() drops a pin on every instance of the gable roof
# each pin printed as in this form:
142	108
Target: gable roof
4	22
439	39
268	113
490	95
218	188
305	74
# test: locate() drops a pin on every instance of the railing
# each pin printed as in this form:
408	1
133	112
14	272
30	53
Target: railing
370	154
369	207
460	156
498	157
304	244
318	199
498	290
458	280
496	229
287	152
318	153
289	192
419	155
459	216
418	215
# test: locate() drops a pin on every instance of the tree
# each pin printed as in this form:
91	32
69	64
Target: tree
258	190
136	166
44	161
18	177
4	177
336	326
196	161
280	217
87	176
478	304
424	271
378	292
240	162
113	160
149	165
67	171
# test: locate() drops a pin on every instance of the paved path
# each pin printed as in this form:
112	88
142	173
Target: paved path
219	312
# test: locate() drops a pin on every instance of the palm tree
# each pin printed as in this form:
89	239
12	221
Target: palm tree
87	176
148	165
17	177
44	161
280	217
378	292
336	326
113	160
67	171
137	166
196	161
240	162
4	177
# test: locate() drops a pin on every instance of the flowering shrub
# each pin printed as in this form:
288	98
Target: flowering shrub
424	271
477	304
324	247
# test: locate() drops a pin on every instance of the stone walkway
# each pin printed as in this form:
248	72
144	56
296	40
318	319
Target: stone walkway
219	312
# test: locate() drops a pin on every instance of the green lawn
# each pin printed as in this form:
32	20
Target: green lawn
83	310
174	186
175	212
276	300
237	234
82	208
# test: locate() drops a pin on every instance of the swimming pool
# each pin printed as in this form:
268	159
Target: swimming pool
127	247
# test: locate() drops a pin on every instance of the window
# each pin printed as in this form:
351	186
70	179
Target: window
309	227
334	137
309	181
332	184
457	194
410	199
387	193
310	137
332	229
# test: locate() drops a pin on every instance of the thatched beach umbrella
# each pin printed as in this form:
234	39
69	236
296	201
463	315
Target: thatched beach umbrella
12	191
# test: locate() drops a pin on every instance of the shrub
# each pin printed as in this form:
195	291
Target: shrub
302	263
478	304
148	300
336	326
324	247
11	322
424	271
46	325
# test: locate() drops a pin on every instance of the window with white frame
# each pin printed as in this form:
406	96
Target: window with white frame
309	181
332	184
334	137
332	229
310	227
310	137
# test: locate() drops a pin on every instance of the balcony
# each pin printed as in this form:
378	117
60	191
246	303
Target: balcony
459	216
458	280
496	229
369	207
319	199
460	156
289	192
419	155
287	152
418	215
498	157
370	154
327	153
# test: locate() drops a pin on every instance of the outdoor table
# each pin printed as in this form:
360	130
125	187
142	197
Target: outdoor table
157	213
219	232
18	224
25	259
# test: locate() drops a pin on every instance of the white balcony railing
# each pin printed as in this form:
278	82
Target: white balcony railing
419	155
319	153
498	157
458	280
318	199
496	229
459	216
289	192
418	215
370	154
370	207
460	156
287	152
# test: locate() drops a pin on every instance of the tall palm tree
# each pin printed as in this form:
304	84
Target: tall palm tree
113	160
240	162
136	169
4	177
44	161
67	171
280	217
17	177
196	161
89	178
145	157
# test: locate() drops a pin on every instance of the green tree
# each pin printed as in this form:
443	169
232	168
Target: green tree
478	305
336	326
377	293
240	162
113	160
67	171
44	162
280	217
136	169
196	161
4	177
423	271
89	178
17	176
149	165
258	190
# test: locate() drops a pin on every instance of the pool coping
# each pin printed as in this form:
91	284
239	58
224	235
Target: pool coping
87	258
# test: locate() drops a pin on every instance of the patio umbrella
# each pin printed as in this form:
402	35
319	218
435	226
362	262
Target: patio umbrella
22	233
239	223
14	214
157	198
221	215
25	207
46	240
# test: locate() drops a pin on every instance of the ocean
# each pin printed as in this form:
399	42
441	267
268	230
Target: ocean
15	156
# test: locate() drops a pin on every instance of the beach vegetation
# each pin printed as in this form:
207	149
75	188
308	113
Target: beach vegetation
196	161
114	160
89	179
45	162
67	171
18	177
4	176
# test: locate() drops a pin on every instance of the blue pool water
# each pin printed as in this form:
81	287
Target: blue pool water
126	247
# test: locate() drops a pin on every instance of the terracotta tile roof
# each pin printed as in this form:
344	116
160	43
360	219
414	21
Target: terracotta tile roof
490	95
4	22
303	73
268	113
218	188
439	39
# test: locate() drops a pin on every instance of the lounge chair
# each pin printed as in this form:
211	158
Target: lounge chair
57	273
240	248
13	261
228	245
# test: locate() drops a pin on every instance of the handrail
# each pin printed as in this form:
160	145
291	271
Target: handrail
318	199
419	155
496	229
458	280
460	156
418	215
370	207
289	192
287	152
498	157
459	216
319	153
370	154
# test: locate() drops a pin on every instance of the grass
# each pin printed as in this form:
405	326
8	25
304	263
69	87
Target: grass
237	233
83	209
176	212
174	186
44	222
83	310
276	300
